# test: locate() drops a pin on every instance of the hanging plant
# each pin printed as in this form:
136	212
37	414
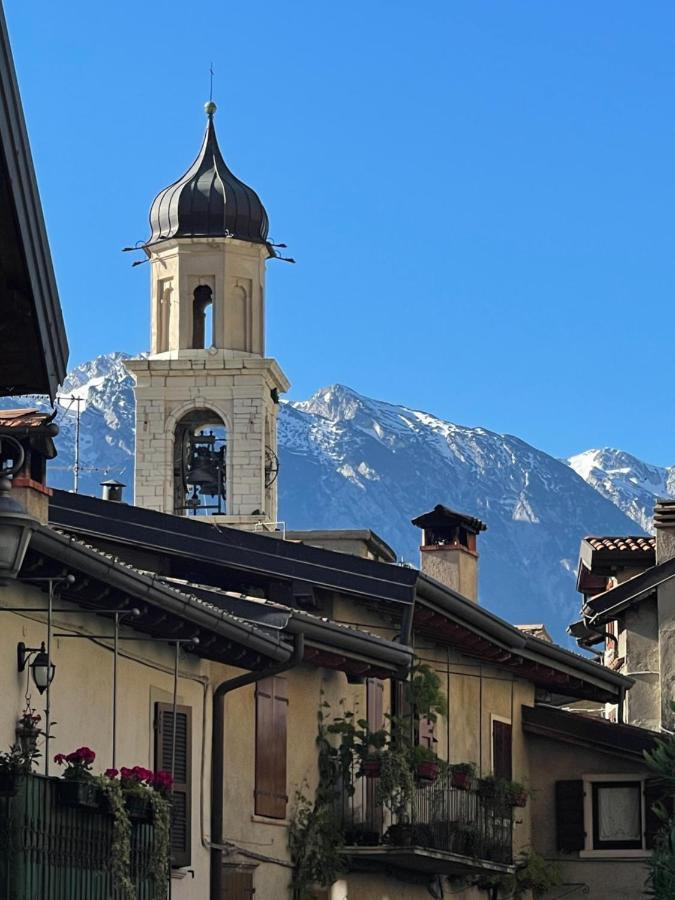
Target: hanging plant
160	866
120	850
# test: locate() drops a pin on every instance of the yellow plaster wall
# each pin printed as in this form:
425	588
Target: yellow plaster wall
81	702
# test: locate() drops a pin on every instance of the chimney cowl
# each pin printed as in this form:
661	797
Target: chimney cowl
112	490
664	524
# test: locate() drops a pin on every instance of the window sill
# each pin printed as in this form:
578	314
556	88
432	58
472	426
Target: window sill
614	854
265	820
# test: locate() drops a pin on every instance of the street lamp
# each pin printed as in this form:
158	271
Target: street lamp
16	526
41	668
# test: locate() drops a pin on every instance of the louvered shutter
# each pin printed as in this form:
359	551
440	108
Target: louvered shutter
502	766
569	815
655	792
182	772
270	748
237	884
375	718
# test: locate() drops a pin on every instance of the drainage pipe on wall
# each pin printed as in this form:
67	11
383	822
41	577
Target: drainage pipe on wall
218	752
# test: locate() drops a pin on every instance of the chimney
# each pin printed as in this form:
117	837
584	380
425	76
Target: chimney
35	432
664	524
448	552
112	490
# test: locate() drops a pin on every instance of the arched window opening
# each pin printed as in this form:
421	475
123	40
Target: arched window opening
200	460
202	317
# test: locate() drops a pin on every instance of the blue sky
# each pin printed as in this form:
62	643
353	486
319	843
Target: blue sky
480	195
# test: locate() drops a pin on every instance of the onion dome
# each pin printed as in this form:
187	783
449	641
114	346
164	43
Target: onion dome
208	200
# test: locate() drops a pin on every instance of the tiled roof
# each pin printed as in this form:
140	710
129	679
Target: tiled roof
623	544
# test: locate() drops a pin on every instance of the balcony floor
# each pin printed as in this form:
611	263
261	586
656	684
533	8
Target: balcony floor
424	859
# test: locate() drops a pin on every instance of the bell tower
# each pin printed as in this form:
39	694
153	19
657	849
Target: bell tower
206	395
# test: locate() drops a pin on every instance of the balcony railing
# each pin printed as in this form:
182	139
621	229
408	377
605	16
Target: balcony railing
53	852
440	818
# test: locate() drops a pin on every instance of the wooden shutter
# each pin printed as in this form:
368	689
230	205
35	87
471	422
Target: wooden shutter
270	747
237	884
375	718
502	766
374	703
569	815
655	792
182	788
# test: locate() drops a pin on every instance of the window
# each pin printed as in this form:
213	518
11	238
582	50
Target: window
270	747
617	815
502	765
237	883
608	815
181	762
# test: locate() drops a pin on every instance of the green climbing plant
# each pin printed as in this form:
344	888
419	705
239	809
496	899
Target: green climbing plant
661	878
120	850
533	873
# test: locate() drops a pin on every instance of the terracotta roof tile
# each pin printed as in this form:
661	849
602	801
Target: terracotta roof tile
623	544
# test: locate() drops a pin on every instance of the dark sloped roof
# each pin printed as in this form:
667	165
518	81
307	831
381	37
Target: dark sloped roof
606	606
561	725
32	335
208	200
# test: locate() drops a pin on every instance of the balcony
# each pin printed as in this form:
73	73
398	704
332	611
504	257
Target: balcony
59	853
445	831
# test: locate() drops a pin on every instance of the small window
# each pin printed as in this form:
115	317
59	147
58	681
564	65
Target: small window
617	815
502	765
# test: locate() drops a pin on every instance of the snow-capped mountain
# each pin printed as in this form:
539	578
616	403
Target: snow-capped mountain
349	461
631	484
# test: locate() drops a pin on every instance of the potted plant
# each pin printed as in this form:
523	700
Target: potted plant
136	789
77	787
12	765
28	730
462	776
426	763
518	793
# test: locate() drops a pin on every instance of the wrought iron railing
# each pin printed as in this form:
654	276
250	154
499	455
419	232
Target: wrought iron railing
439	817
53	852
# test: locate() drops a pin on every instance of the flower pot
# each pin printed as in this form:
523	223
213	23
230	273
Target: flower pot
371	768
427	771
82	794
138	808
463	781
9	784
27	736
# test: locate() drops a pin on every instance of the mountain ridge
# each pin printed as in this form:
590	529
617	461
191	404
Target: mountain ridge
350	461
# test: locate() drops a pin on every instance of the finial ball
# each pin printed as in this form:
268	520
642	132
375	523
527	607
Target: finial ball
210	108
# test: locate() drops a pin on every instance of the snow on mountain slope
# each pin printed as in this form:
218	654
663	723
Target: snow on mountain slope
632	485
348	461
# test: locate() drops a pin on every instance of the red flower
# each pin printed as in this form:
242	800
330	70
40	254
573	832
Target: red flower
162	781
111	773
60	758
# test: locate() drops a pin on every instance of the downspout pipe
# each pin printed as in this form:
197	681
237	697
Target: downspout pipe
218	752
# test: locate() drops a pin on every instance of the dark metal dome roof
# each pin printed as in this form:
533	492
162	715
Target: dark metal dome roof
208	200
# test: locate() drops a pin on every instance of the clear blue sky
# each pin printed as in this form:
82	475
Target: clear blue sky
480	195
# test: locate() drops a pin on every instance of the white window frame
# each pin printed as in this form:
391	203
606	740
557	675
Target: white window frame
589	852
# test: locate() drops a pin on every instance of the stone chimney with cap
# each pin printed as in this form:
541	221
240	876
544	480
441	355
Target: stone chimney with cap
664	524
448	552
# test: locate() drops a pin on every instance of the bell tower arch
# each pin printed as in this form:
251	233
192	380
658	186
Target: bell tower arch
206	395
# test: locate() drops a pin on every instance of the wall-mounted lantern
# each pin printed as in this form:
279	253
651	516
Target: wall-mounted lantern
16	526
41	668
